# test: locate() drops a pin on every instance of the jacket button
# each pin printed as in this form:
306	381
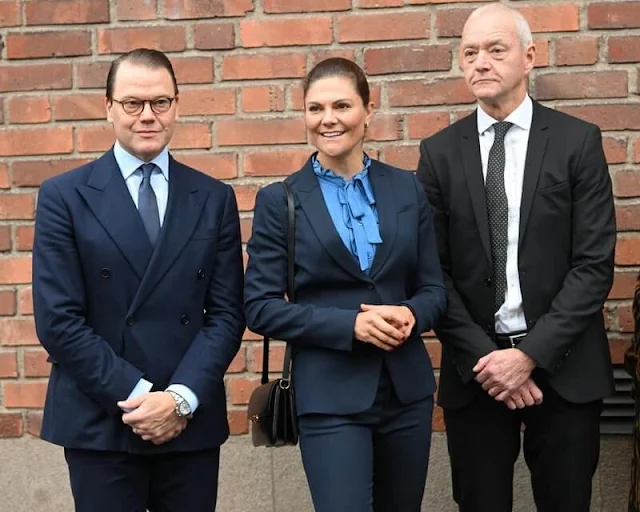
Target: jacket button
184	320
200	273
105	273
487	281
131	321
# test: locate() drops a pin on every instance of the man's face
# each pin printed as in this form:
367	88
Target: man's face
493	59
144	135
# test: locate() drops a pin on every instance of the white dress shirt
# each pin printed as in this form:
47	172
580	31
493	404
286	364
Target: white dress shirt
510	317
130	168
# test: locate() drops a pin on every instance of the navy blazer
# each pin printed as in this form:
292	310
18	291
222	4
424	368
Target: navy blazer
109	309
333	373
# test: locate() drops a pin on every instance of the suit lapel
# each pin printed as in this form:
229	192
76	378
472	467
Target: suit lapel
315	209
107	196
184	207
387	215
538	140
472	164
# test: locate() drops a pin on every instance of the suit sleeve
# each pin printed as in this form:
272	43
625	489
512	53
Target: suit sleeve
587	284
456	329
59	301
203	366
429	299
268	313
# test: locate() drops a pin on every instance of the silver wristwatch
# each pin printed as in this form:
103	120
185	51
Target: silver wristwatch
183	409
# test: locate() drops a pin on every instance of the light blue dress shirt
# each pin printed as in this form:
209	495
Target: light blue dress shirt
352	207
130	168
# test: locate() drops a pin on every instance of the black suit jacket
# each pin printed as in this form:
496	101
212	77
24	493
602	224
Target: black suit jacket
565	254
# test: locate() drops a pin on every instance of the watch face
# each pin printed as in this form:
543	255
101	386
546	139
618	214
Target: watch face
184	409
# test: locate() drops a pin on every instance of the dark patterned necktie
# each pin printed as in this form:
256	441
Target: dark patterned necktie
148	204
498	211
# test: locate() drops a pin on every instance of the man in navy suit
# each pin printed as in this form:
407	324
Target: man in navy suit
137	287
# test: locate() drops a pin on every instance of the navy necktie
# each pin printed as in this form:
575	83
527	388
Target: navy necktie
498	211
148	204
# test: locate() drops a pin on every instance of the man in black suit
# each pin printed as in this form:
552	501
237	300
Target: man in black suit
525	224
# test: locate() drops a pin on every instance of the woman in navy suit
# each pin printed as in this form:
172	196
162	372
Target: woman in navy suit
367	283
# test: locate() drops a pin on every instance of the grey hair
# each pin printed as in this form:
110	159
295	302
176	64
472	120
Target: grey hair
522	28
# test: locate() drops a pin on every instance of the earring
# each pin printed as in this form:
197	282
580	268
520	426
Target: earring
366	125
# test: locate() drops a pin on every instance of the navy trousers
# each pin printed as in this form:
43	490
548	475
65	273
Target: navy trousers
375	460
123	482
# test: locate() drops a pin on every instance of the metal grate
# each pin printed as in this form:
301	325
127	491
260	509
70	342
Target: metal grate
618	412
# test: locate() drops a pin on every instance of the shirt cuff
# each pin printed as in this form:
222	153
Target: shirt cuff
143	386
187	394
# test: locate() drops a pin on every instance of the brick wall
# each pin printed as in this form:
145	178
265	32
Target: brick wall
238	64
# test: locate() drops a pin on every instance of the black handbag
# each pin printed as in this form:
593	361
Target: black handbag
272	410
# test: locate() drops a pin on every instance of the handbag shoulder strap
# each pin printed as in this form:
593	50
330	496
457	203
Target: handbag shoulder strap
290	233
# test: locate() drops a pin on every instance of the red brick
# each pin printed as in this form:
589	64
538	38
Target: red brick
221	165
276	357
7	303
130	11
66	12
5	238
407	59
376	27
191	136
617	349
29	77
24	238
269	66
279	162
614	15
542	52
10	13
623	285
36	141
92	75
17	331
615	150
626	183
240	390
75	107
246	197
636	151
241	132
120	40
379	4
34	423
608	117
263	98
249	335
420	125
552	17
4	176
238	421
449	22
214	36
625	319
48	44
32	173
425	2
628	217
437	421
435	352
239	363
575	51
207	101
35	363
26	395
304	6
94	138
29	109
286	32
628	250
446	91
385	127
404	157
8	365
10	425
17	206
25	301
193	70
245	229
196	9
604	84
320	55
624	48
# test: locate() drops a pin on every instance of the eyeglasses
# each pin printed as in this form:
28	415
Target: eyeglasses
134	107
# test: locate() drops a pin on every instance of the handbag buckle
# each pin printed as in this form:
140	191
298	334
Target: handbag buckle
284	383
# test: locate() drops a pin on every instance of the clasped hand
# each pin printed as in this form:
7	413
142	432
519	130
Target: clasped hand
153	417
386	327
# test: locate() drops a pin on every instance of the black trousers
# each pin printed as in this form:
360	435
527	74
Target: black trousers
375	460
561	445
122	482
